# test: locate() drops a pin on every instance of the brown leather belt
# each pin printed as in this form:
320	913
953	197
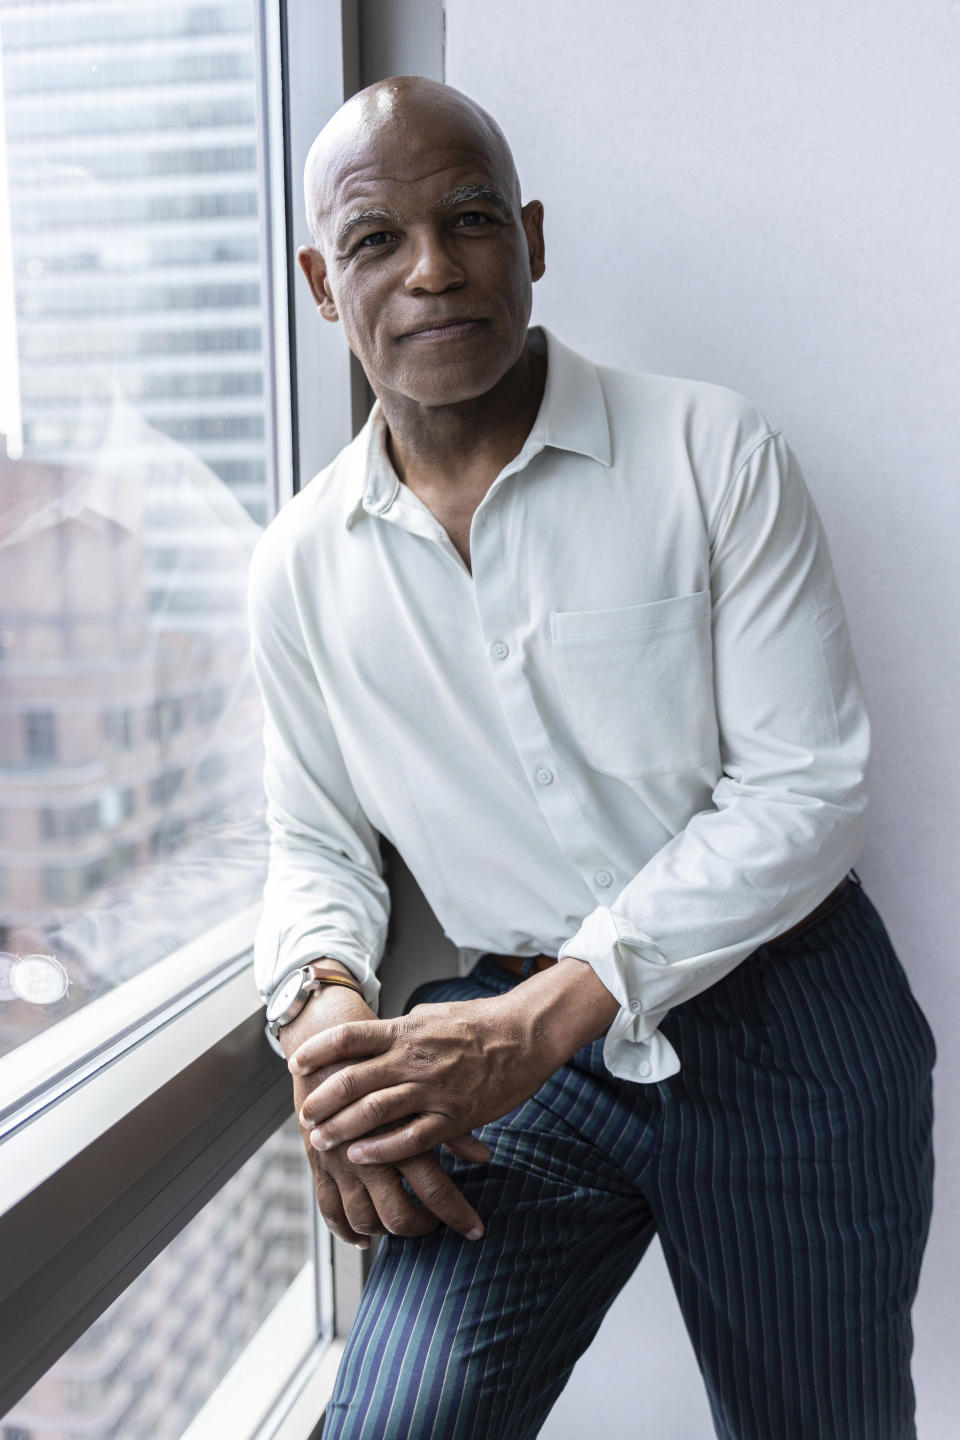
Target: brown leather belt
524	965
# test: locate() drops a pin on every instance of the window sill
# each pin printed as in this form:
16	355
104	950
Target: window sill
97	1183
120	1035
245	1405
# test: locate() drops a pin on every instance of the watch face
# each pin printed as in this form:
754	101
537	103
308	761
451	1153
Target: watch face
40	979
283	998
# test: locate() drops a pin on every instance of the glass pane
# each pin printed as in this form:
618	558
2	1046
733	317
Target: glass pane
156	1356
135	473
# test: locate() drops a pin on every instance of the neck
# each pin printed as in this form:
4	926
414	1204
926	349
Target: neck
441	445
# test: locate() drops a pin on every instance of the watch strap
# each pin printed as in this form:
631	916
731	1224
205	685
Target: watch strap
314	977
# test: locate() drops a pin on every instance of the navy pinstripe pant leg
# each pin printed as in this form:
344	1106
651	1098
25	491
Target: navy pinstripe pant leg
787	1170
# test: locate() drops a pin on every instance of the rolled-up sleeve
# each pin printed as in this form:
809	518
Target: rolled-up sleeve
786	821
325	894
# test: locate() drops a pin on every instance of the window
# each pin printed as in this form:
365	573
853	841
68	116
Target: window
168	837
70	822
146	431
165	715
40	734
165	785
118	727
136	266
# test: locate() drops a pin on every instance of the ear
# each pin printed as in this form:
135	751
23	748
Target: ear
314	267
532	218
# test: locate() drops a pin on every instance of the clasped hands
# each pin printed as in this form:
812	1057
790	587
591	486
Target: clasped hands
402	1086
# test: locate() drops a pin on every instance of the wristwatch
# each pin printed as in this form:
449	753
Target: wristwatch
292	994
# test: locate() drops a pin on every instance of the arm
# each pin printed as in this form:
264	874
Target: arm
325	897
785	825
325	893
787	816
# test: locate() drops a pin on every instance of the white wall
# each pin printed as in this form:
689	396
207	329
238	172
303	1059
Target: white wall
765	194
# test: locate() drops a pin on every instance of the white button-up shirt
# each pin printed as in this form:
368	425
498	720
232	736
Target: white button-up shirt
634	734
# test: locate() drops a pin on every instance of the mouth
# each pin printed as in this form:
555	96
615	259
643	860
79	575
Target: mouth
456	328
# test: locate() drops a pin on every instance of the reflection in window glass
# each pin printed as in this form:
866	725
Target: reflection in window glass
145	1368
134	461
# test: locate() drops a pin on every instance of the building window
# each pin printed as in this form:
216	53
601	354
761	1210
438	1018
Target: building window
168	837
71	822
164	786
118	728
164	715
40	734
63	885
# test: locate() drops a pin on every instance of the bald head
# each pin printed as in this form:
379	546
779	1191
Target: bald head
422	250
379	120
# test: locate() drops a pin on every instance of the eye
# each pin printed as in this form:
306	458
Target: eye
374	241
472	219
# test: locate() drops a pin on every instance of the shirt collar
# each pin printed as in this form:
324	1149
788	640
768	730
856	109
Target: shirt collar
572	416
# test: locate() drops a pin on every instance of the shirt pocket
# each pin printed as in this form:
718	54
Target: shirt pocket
637	684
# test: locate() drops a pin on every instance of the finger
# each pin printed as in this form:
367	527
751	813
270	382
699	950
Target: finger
359	1209
383	1107
469	1148
349	1084
421	1132
430	1182
398	1213
331	1209
349	1041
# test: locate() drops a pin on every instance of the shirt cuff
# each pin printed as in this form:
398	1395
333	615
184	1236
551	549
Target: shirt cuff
632	967
303	952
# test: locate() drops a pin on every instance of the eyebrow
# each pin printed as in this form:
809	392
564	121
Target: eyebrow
369	215
378	215
465	193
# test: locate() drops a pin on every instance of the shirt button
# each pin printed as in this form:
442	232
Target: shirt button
644	1067
603	878
544	776
499	650
635	1005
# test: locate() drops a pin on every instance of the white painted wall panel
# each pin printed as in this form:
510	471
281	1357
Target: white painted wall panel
765	194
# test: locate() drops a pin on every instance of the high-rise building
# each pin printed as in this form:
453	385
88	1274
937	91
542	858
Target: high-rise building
130	802
135	216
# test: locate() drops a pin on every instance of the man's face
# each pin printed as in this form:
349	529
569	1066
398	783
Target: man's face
426	259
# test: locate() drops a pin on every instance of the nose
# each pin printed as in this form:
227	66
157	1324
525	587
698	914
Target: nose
433	267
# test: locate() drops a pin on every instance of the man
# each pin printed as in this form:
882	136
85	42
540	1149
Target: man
571	639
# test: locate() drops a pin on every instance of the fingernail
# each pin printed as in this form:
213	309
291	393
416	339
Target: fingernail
357	1153
363	1244
317	1140
293	1066
476	1233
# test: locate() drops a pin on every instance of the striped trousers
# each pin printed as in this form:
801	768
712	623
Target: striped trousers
787	1170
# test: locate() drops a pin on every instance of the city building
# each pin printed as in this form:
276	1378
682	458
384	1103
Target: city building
130	809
